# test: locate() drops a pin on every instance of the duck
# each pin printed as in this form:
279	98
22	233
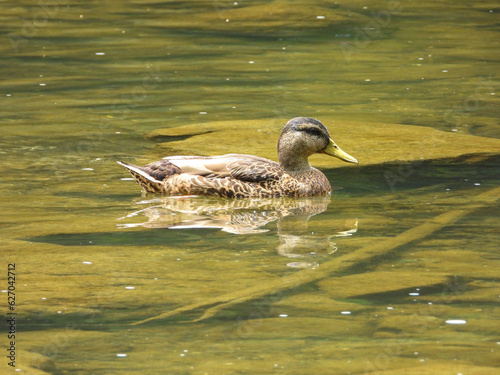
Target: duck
248	176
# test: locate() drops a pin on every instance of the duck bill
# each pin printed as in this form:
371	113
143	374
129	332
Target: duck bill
333	150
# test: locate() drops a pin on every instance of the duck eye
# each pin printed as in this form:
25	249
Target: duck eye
312	131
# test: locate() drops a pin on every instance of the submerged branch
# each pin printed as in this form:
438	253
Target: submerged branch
336	265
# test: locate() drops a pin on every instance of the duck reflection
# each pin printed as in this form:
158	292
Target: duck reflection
249	216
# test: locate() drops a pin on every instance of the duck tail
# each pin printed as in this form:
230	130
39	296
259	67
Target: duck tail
144	179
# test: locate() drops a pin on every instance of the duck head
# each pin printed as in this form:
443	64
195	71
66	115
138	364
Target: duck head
302	137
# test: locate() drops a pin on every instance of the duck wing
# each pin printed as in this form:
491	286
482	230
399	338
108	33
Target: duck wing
248	168
255	170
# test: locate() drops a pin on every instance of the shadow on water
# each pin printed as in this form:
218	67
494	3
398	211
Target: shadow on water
461	172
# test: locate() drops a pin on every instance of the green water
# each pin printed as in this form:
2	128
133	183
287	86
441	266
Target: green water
82	85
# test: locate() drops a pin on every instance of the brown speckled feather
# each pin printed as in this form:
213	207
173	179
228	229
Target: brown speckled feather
252	170
245	177
161	169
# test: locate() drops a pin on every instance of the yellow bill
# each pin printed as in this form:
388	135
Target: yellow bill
334	150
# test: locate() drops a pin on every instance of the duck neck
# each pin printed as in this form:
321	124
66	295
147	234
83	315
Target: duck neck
293	162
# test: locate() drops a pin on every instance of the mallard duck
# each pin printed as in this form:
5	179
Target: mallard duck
239	175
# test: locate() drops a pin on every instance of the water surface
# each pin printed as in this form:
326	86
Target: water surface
84	84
